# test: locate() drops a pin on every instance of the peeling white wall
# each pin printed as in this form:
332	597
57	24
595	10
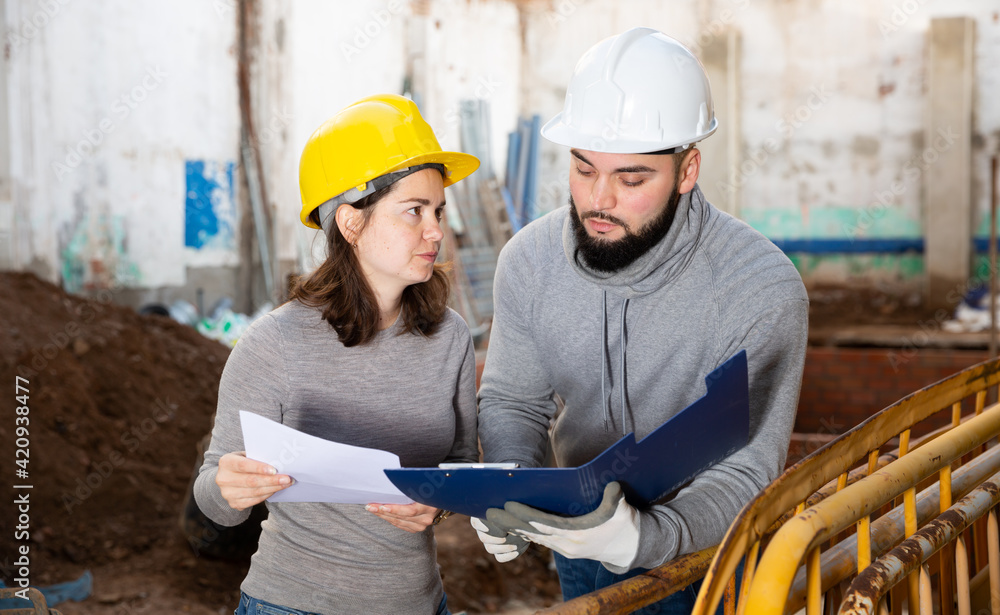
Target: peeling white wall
107	101
832	93
832	109
98	181
6	202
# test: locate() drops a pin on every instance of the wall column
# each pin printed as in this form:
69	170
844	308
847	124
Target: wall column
721	152
946	158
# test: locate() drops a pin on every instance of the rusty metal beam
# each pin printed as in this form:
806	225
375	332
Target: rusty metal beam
872	583
840	561
993	541
805	477
639	591
768	592
664	580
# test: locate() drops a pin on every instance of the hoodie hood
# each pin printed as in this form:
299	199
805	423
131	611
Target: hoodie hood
662	263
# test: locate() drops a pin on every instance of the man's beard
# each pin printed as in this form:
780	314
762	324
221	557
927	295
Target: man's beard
609	256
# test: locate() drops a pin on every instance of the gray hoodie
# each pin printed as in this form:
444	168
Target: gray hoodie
711	287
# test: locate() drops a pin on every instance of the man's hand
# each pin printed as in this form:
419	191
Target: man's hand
609	534
498	541
245	482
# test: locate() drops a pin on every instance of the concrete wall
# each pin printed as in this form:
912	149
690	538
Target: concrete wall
833	103
124	163
108	102
120	162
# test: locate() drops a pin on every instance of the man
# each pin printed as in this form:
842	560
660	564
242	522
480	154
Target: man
620	304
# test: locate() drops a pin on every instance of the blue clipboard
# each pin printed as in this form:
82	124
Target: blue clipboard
701	435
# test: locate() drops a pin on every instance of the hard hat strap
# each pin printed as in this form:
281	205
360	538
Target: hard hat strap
327	209
672	150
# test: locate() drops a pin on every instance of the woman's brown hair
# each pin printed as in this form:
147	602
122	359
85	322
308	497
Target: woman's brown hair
339	287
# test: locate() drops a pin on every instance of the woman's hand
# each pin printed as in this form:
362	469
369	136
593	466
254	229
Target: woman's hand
410	517
245	482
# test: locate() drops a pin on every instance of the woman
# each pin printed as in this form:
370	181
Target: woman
365	353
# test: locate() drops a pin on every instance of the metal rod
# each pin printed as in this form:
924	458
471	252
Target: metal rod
778	565
962	574
994	560
993	257
252	167
839	561
926	593
913	554
748	570
814	593
255	188
770	507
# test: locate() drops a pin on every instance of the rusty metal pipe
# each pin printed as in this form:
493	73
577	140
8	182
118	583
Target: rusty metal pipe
825	464
778	565
909	555
639	591
993	536
840	560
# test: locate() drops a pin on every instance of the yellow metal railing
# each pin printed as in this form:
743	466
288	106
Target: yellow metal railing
847	504
841	561
815	551
641	590
803	535
912	556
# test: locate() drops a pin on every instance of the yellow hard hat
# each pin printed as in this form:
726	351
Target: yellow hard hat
375	136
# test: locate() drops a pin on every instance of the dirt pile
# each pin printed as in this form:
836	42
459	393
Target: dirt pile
116	399
118	402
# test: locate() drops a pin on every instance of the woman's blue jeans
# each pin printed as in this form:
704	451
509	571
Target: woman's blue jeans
582	576
252	606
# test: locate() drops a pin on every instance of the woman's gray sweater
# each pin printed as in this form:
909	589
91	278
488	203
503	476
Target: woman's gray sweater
408	394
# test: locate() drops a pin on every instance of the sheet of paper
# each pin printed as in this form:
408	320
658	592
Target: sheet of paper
324	471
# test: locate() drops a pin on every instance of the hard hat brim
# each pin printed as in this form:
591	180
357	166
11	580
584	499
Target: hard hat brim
457	166
560	133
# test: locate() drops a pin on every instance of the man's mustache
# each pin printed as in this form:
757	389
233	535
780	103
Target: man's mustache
600	215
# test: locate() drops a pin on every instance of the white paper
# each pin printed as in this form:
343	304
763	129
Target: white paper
324	471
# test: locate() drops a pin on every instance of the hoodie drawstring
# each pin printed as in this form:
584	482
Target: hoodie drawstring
604	369
604	350
624	307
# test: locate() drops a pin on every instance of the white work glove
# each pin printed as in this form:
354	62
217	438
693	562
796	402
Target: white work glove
609	534
498	541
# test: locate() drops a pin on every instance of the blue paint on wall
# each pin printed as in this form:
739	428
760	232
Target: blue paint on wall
210	209
865	246
850	246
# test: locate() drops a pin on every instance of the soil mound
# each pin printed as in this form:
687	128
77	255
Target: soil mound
117	405
116	402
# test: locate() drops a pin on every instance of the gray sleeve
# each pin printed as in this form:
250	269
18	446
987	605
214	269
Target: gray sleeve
516	401
700	514
254	379
466	447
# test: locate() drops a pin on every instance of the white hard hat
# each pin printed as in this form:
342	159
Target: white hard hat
634	93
